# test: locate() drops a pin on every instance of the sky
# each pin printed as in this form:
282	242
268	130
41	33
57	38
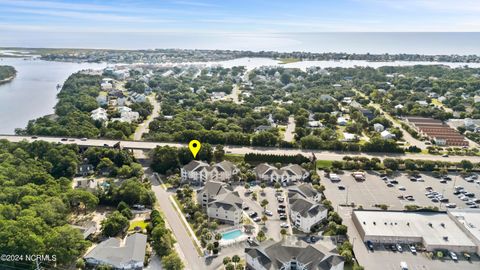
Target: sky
235	24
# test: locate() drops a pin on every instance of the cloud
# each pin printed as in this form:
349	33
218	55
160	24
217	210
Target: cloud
95	16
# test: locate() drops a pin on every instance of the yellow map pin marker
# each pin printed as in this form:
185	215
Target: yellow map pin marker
194	147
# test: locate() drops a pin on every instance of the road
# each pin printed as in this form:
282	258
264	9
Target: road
190	255
406	136
321	155
143	127
290	131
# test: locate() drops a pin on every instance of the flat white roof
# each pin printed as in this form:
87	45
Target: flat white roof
413	224
469	218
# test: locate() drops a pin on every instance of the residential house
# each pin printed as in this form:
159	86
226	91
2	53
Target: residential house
348	137
422	103
87	228
307	191
292	253
305	213
341	121
399	106
128	254
137	98
87	184
326	98
285	175
226	208
378	127
314	124
262	128
337	85
85	169
368	114
106	86
386	135
211	190
129	116
200	172
99	114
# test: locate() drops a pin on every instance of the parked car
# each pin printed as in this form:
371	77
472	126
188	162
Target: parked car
370	245
398	247
245	208
268	213
341	187
402	188
451	205
252	214
284	225
390	185
403	266
281	210
283	217
257	219
34	137
83	139
280	199
282	206
64	139
413	249
453	255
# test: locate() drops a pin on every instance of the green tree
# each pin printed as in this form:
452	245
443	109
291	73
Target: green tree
114	224
172	262
227	260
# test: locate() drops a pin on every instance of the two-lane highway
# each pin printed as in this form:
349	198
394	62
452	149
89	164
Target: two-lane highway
320	155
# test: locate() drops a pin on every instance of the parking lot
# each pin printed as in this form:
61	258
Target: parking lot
374	190
273	223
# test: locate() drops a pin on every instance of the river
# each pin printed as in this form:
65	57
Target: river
32	93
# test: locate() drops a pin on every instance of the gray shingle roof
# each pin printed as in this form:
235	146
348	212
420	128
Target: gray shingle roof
305	207
272	255
112	252
228	201
194	164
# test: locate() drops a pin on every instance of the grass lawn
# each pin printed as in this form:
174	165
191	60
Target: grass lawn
289	60
137	223
323	164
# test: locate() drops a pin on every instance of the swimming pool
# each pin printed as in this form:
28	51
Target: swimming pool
232	235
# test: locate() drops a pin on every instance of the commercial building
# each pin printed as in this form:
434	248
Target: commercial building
434	230
436	130
469	221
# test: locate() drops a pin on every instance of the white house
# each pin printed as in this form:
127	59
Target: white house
284	175
122	109
129	116
128	254
210	191
378	127
305	213
200	172
386	135
341	121
99	114
422	103
348	137
226	208
106	86
399	106
314	124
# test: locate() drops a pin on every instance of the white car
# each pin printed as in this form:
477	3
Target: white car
257	219
453	255
268	213
413	249
284	225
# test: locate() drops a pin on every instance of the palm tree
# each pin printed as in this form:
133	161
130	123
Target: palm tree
264	204
210	247
218	236
283	232
235	259
227	260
